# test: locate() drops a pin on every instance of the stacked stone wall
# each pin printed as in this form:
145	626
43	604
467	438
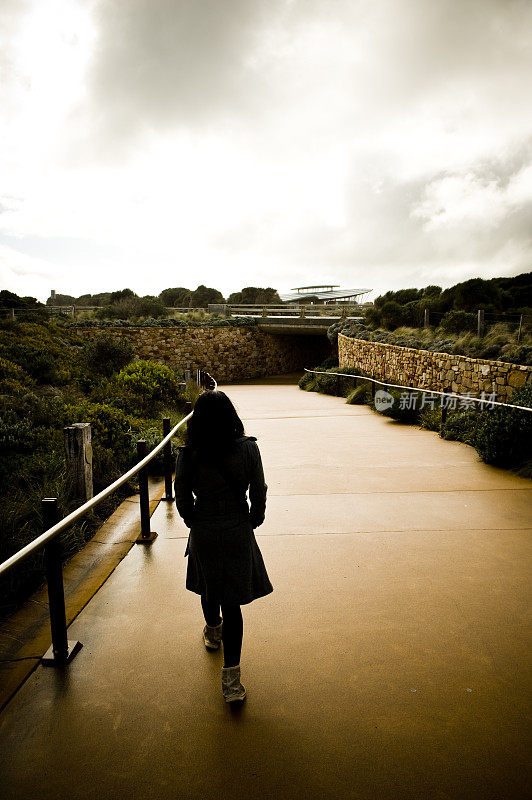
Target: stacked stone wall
228	353
428	370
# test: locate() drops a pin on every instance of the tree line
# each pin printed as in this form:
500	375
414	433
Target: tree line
498	296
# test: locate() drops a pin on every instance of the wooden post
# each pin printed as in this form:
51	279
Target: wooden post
520	329
480	323
426	318
78	451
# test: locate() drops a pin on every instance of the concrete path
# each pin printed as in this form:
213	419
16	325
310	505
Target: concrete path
391	661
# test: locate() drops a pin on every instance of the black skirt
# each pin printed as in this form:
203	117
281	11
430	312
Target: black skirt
224	560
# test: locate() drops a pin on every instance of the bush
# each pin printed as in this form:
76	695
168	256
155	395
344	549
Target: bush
430	419
406	406
306	380
392	315
460	426
47	352
504	436
110	427
13	379
107	354
133	308
458	321
360	395
151	383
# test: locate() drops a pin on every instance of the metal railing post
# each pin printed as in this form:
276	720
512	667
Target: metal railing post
480	323
146	535
444	410
62	650
167	457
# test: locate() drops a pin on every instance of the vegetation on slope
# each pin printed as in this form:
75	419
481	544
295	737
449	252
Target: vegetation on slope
50	378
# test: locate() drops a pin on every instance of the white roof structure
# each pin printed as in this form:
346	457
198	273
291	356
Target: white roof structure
324	292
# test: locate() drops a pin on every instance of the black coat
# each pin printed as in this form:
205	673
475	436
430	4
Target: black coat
225	563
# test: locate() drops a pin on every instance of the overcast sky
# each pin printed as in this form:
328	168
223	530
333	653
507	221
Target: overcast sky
157	143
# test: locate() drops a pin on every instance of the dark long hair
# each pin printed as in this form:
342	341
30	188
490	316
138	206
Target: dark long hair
214	426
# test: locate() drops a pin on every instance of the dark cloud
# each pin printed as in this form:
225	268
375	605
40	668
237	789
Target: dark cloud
365	141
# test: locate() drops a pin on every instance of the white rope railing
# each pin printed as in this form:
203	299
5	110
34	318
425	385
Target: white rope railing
468	398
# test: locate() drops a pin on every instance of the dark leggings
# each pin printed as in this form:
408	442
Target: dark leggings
233	627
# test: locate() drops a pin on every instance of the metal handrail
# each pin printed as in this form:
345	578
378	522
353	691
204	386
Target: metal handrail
94	501
52	532
62	649
420	389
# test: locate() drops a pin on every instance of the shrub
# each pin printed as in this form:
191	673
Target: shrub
133	308
306	380
504	435
152	434
392	315
111	428
151	383
47	352
430	419
460	426
13	379
107	354
16	435
406	406
458	321
360	395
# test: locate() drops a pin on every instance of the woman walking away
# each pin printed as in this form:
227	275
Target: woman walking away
213	473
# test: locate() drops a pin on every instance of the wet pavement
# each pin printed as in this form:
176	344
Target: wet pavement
391	661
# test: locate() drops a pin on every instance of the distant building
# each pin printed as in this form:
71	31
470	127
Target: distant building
324	293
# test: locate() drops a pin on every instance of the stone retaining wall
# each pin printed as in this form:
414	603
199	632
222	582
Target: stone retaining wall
423	368
229	354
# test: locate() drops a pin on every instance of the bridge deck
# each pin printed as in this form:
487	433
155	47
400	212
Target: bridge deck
390	662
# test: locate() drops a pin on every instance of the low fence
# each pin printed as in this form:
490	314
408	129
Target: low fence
62	650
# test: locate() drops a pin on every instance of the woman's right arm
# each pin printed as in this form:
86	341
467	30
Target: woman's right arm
257	487
184	499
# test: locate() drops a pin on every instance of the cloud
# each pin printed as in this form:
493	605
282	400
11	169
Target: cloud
274	141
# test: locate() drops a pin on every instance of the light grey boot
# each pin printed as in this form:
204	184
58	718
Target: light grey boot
231	686
212	636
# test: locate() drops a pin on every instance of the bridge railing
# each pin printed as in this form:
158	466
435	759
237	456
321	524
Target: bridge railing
62	650
292	311
230	310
